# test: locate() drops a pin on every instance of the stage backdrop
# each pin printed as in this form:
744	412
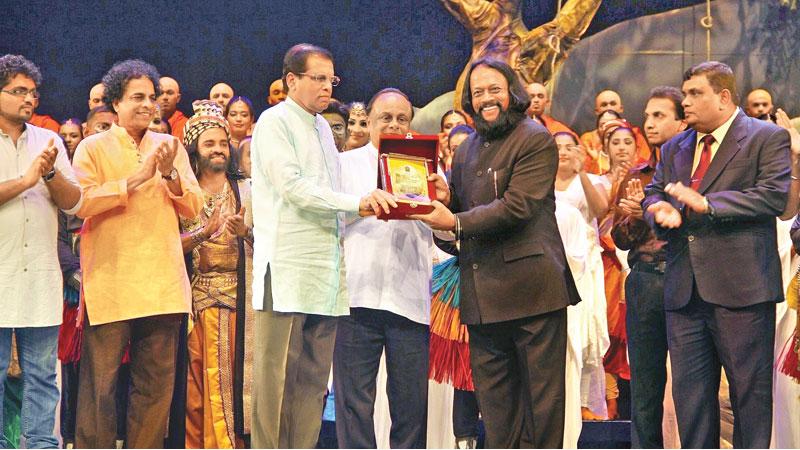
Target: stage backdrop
757	38
414	45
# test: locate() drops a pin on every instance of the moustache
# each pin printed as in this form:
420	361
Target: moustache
490	104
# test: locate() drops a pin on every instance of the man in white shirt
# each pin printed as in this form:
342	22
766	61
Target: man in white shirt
388	282
35	181
298	268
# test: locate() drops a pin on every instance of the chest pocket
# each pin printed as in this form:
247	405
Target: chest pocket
738	174
497	181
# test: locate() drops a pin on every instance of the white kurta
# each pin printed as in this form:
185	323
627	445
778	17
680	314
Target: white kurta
30	275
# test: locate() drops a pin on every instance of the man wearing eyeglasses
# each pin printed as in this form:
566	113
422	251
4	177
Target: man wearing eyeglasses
35	181
299	282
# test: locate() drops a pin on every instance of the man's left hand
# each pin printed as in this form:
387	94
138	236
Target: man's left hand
439	219
49	155
165	155
235	225
688	196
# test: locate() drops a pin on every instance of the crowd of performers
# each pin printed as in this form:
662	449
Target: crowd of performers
213	280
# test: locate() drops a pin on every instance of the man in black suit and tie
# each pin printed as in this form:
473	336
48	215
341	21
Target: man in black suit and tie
714	198
515	281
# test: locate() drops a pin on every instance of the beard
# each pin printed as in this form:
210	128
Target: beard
506	121
205	163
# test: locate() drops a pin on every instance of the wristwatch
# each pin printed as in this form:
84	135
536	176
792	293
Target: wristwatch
49	176
172	176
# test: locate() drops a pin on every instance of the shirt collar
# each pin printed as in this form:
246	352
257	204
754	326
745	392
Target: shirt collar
372	150
721	131
304	115
24	133
122	133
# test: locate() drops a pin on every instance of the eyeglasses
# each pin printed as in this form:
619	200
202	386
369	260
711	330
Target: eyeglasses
22	92
334	80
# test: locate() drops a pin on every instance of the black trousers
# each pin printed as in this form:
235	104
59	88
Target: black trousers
518	368
465	414
360	341
704	337
647	350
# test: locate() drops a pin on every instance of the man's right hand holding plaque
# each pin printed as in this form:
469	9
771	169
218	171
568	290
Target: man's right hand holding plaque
376	202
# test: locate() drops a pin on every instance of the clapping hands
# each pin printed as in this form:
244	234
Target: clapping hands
41	165
632	203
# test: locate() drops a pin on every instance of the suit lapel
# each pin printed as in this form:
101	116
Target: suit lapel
684	158
726	151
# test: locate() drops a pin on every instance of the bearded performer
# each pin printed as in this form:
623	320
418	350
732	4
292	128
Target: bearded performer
219	242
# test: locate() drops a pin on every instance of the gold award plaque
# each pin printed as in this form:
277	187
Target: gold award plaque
409	177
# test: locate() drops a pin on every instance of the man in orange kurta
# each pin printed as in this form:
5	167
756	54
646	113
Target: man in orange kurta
135	289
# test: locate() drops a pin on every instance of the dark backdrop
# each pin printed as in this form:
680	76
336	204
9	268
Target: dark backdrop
414	45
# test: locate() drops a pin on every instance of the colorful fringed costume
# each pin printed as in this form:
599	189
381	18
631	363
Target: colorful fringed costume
789	361
449	347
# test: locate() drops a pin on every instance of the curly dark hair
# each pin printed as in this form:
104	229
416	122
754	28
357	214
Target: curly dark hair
116	80
13	65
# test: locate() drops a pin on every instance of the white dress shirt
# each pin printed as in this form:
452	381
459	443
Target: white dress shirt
296	205
30	275
719	135
388	263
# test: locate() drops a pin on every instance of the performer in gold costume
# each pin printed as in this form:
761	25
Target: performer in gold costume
219	241
498	31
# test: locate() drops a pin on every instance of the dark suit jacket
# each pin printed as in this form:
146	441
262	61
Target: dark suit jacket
512	259
733	256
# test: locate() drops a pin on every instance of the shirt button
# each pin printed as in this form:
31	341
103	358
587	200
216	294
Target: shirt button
474	267
691	238
26	245
480	172
25	269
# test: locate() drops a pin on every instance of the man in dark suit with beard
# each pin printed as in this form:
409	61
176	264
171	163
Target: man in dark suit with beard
714	198
515	281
